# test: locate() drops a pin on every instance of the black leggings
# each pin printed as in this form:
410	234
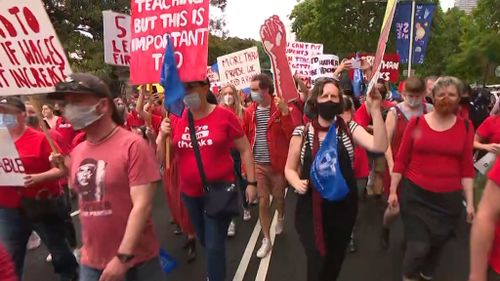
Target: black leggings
338	224
240	181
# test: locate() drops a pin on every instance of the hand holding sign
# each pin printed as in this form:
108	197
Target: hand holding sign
273	35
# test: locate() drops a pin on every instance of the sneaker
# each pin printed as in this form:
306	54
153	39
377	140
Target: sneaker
425	278
265	248
256	201
247	215
231	230
34	241
280	225
352	246
49	258
77	254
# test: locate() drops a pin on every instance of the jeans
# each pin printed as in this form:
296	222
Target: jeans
212	234
150	270
14	234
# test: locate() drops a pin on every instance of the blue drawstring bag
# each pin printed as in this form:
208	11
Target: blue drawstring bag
167	262
326	175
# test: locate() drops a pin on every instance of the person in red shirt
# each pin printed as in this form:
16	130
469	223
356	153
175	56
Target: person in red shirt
65	128
115	190
269	127
396	122
435	159
217	131
7	269
230	98
488	135
485	237
17	216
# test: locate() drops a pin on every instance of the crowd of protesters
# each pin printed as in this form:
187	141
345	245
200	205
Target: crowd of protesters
255	145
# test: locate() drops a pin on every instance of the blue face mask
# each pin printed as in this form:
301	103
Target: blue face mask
7	120
256	96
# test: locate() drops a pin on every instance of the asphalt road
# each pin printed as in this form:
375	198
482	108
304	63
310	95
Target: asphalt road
287	261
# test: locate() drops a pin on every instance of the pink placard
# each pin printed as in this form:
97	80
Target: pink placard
153	22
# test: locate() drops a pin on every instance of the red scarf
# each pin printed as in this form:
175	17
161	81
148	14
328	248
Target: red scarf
317	201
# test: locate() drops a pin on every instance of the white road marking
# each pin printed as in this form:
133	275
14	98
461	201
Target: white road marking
75	213
264	263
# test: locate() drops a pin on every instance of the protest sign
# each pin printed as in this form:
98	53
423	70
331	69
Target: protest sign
213	77
32	60
116	38
153	23
11	167
299	55
389	70
484	164
238	68
323	66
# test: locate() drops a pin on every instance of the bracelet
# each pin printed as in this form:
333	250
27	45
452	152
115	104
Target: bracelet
252	183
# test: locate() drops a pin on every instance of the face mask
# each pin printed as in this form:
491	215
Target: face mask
256	96
192	101
445	106
328	110
228	100
57	112
82	116
131	107
414	102
8	120
32	121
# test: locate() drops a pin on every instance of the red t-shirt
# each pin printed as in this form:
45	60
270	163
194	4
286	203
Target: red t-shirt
103	174
133	120
490	129
216	134
34	151
7	269
67	132
363	118
494	176
436	161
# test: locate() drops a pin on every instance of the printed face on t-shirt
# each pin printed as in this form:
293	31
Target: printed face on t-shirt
89	181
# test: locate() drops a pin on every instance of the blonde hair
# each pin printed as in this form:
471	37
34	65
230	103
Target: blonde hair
446	81
237	106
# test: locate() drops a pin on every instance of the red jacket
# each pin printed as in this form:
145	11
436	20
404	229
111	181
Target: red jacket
279	133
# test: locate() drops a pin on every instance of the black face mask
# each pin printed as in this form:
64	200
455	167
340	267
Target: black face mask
57	112
32	121
328	110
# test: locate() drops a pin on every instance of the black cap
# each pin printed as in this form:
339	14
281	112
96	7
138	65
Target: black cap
13	102
86	84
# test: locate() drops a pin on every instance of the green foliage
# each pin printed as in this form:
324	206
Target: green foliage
218	46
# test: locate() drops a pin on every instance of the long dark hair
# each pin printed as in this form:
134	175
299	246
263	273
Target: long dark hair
317	91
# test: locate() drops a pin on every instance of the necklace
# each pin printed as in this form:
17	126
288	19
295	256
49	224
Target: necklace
106	136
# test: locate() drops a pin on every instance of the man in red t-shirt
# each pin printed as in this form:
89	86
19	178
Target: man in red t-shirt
115	189
485	240
41	183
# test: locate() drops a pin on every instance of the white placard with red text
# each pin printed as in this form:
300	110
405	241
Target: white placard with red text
32	60
11	167
239	67
299	56
153	23
116	38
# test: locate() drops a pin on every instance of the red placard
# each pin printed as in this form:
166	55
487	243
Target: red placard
389	70
186	22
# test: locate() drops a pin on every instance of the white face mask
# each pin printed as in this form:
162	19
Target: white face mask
228	100
82	116
414	102
192	101
256	97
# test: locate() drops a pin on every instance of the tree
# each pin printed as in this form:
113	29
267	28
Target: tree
79	26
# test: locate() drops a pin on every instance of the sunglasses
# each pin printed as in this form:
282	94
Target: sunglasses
74	86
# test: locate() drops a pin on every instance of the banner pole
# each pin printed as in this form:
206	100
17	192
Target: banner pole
45	129
412	34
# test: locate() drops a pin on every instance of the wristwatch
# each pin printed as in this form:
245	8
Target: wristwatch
252	183
125	258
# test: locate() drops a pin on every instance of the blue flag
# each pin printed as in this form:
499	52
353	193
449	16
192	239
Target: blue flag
358	80
326	175
170	80
421	33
